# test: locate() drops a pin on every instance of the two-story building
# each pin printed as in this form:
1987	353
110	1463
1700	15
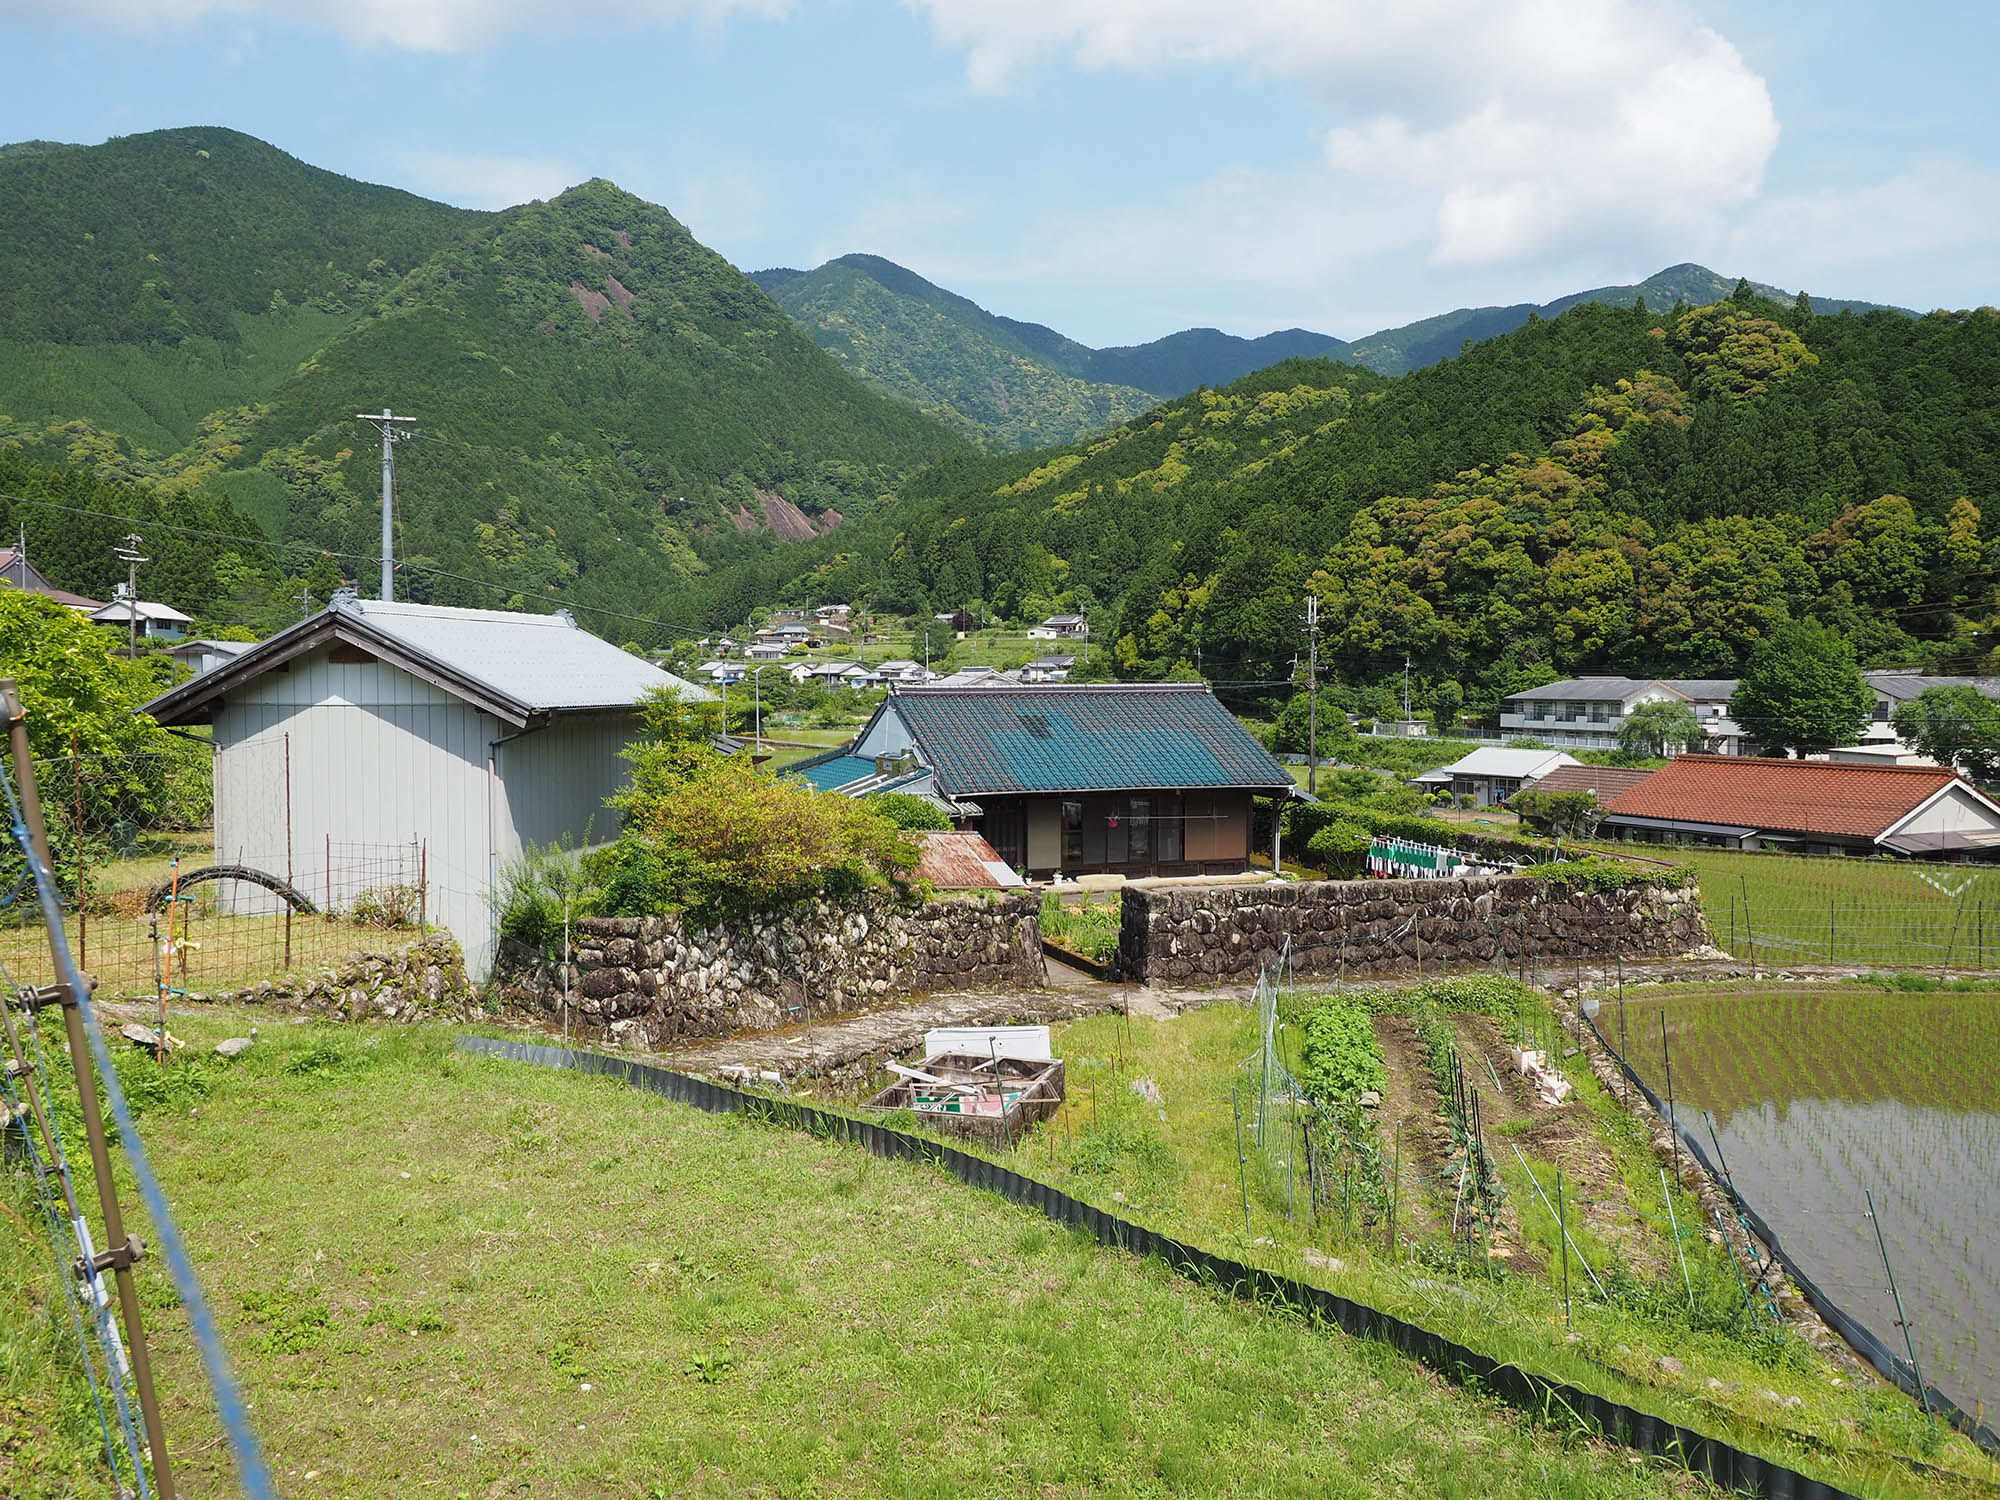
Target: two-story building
1585	713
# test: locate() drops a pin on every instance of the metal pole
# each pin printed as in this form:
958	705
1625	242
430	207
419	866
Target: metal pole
1312	697
122	1249
82	895
387	422
1562	1223
1242	1163
1902	1319
288	847
1673	1120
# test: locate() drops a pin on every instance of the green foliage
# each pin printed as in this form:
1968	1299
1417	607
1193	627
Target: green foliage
538	891
1341	1058
1659	727
1608	876
1567	815
1336	735
915	814
1954	726
1802	690
1089	927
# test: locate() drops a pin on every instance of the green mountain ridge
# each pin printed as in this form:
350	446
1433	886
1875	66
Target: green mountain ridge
1014	384
605	404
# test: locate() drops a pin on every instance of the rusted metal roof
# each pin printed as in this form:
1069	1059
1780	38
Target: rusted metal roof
963	862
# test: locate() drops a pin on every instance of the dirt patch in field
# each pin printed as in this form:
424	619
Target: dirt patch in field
1411	1102
1569	1138
1480	1042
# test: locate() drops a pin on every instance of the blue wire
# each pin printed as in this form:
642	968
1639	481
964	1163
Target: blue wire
59	1231
107	1331
251	1473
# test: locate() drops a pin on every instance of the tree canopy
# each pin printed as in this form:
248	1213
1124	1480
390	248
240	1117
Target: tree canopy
1954	726
1802	691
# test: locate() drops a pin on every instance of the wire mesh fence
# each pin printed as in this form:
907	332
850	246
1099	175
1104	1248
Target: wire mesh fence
161	899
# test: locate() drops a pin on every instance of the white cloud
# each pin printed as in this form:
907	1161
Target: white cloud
478	180
1494	130
409	25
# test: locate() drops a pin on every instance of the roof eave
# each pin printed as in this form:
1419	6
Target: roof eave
186	704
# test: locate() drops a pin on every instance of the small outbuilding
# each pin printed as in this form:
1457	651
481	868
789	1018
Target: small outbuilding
1492	773
382	746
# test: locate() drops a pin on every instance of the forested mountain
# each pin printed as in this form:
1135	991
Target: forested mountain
1395	351
608	408
1010	384
1618	487
1003	384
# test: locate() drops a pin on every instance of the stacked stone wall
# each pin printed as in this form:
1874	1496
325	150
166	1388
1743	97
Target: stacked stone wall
649	981
1180	935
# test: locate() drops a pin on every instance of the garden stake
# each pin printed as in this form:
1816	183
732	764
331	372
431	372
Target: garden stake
1902	1318
1242	1162
1678	1246
1563	1225
1395	1185
1673	1120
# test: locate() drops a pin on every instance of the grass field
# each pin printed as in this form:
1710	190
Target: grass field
534	1283
1792	909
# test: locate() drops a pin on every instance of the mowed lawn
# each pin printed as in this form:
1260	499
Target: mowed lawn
445	1276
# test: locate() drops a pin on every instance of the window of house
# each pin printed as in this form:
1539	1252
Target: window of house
1600	713
1538	710
1072	819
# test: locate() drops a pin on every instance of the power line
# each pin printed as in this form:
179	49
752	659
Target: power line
309	549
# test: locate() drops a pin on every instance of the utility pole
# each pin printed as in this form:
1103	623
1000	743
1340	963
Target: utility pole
1312	696
127	552
305	599
393	429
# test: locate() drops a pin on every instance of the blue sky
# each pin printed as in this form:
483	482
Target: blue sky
1123	168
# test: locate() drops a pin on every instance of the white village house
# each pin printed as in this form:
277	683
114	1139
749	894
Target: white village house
379	743
1492	773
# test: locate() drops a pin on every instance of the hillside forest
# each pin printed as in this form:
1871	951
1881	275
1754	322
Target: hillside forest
1613	489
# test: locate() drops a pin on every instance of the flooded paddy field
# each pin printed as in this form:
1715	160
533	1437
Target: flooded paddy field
1821	1095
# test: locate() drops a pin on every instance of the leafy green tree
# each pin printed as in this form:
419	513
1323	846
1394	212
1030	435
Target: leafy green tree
1802	690
1954	726
1292	736
1659	728
915	814
1568	815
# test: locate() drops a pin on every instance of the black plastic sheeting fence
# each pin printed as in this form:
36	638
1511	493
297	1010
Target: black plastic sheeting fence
1721	1462
1864	1343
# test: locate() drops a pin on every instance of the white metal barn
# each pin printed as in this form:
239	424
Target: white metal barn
409	747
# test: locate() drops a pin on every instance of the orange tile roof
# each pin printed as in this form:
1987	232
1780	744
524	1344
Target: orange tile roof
1607	781
1835	798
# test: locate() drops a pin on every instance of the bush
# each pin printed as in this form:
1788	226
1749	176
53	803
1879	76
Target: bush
386	906
915	814
1341	849
1605	876
535	892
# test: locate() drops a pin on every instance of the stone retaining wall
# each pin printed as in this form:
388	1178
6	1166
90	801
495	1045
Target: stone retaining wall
648	981
1199	934
424	980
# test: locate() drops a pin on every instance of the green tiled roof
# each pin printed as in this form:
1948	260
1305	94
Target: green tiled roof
1083	739
825	772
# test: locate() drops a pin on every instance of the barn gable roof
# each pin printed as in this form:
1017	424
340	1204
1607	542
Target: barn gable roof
520	668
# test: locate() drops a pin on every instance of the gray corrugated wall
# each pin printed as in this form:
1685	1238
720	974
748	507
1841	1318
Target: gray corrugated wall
387	769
